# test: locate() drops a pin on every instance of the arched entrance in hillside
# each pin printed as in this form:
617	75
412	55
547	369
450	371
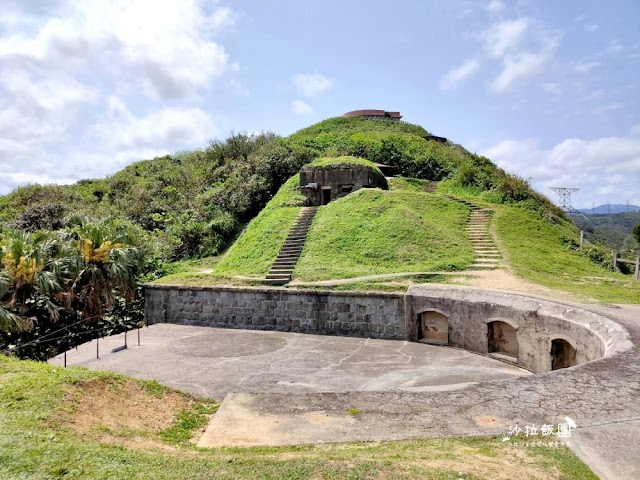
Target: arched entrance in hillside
433	327
502	339
563	354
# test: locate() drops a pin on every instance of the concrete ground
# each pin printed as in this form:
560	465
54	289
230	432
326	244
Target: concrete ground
213	362
296	389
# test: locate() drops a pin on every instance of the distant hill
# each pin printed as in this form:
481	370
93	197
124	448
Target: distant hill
613	230
610	208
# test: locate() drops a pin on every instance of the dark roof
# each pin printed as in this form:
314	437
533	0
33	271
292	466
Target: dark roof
373	113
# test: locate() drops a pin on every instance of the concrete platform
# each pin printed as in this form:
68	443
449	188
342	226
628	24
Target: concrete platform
296	388
213	362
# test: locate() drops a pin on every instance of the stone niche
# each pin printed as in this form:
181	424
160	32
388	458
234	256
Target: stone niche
323	184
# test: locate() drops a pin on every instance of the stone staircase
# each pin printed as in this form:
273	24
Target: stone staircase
486	253
286	260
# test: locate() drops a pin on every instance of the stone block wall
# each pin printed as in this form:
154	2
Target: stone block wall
358	314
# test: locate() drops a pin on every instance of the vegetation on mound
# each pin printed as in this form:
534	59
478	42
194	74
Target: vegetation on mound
257	248
343	162
48	433
368	232
547	253
408	184
373	232
190	204
346	125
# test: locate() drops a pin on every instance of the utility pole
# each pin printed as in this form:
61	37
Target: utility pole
565	199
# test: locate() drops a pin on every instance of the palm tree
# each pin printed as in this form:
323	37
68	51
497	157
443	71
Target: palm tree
103	266
25	260
9	321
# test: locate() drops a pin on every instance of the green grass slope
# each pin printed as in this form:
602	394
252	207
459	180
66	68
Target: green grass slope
37	443
258	246
545	252
370	231
373	232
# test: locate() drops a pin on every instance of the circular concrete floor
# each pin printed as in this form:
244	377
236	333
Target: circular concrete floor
213	362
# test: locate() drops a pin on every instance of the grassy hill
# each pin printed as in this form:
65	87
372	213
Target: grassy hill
195	204
370	231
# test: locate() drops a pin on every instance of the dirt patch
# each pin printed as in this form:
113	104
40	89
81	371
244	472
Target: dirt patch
121	412
505	280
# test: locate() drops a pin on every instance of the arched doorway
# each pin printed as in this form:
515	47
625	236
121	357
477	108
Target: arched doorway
503	339
433	327
563	354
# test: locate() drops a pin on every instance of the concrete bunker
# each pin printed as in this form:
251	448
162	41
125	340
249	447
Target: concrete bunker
328	179
537	334
502	338
433	327
563	354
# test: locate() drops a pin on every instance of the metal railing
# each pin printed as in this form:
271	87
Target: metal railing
50	337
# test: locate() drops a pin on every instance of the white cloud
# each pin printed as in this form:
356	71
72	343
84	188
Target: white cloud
311	84
222	17
551	87
592	28
503	37
584	67
301	108
614	47
74	72
522	65
457	74
165	46
605	169
495	6
121	130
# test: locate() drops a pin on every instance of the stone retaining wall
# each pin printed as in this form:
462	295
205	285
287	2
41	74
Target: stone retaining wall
368	315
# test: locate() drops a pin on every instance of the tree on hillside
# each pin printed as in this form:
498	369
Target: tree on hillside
636	232
99	266
79	273
27	285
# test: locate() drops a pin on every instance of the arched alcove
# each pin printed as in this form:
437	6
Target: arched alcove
563	354
502	338
433	327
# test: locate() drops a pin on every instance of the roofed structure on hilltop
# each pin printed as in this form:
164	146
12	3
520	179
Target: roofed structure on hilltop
374	115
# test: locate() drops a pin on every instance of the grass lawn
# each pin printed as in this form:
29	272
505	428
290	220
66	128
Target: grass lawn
408	184
535	251
78	424
373	231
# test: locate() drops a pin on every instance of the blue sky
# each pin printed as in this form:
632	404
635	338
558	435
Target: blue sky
548	90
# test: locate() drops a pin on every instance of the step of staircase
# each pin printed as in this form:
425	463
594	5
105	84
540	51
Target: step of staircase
487	255
482	266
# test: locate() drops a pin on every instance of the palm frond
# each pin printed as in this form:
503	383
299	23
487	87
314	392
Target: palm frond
10	322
